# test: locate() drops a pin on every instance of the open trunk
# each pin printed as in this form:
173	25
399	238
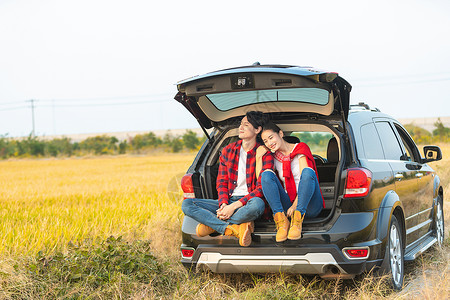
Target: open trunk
301	100
324	139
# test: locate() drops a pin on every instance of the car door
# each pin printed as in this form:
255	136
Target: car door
404	174
423	200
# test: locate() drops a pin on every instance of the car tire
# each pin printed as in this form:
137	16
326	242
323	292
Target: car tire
393	263
438	230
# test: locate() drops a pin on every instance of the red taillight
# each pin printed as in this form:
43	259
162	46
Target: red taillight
357	252
358	183
187	186
187	253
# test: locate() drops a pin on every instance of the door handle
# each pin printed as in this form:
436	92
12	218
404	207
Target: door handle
398	176
419	175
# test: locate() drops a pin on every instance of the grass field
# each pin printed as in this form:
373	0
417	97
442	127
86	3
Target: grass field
57	218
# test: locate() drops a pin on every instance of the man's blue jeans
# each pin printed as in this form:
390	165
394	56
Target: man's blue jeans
309	196
204	211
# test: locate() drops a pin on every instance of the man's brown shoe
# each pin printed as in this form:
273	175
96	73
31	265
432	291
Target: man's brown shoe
232	230
242	231
245	234
203	230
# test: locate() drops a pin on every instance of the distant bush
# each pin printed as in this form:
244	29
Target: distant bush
421	136
441	130
57	147
100	145
190	140
141	141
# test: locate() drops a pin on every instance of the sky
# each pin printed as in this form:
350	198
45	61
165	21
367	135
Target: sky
107	66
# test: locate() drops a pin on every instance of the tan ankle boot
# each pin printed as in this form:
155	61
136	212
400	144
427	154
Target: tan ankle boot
282	223
203	230
242	232
295	232
252	226
245	234
232	230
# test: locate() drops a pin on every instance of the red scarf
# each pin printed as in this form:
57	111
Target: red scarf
300	148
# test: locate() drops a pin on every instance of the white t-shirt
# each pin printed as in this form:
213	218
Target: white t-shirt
241	184
295	168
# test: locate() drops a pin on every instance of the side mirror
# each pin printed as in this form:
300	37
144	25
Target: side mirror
432	153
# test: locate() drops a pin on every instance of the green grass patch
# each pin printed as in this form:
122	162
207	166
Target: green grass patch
113	268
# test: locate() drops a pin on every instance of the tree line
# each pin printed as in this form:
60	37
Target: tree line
440	134
143	143
33	146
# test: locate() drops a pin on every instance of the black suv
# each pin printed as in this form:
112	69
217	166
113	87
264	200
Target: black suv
383	202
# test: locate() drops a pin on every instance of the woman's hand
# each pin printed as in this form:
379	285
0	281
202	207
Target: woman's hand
293	207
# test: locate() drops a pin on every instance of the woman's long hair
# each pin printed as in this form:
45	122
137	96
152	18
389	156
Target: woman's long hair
270	126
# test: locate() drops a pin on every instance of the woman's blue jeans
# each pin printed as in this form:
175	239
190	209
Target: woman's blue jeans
204	211
309	196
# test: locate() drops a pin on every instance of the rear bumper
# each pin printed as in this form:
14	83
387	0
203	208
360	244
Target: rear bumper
326	261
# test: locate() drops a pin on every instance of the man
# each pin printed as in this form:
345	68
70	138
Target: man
239	187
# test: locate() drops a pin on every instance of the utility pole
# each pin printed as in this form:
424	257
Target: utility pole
33	133
54	122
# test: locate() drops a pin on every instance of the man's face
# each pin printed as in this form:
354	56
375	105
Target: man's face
247	131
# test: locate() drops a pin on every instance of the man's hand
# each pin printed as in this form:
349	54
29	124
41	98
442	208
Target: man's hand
219	211
226	211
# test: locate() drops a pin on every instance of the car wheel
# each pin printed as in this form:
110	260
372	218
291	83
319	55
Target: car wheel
393	263
439	223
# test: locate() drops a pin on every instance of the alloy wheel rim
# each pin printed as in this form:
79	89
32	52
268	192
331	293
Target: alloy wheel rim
395	255
439	225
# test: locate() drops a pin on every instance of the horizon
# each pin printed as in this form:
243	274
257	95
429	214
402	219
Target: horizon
426	123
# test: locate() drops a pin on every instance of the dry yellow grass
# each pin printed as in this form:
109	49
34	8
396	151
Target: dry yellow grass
46	203
442	168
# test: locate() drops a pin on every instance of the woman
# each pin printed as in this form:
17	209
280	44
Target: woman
301	195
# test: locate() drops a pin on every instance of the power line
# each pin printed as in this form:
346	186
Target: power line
8	103
407	76
59	103
110	98
13	108
402	83
53	103
104	104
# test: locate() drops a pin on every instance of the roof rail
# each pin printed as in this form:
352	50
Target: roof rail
363	106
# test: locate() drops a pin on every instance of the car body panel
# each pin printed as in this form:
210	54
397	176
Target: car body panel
283	69
404	186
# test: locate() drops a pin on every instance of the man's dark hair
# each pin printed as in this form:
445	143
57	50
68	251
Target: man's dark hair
256	118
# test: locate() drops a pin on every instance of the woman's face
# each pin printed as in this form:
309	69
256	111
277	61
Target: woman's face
273	140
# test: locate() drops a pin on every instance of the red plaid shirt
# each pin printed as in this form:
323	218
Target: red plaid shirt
228	172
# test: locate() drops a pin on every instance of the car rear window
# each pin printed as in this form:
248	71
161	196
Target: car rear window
371	142
227	101
389	141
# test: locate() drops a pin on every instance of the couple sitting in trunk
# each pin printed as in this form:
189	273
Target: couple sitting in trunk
246	176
